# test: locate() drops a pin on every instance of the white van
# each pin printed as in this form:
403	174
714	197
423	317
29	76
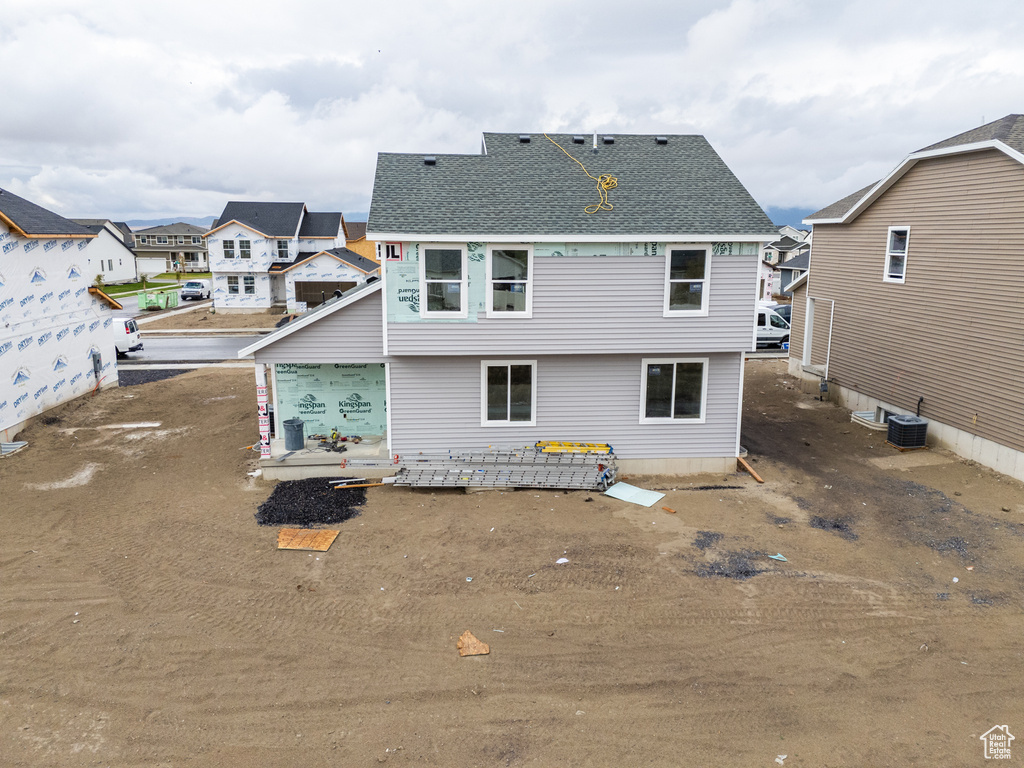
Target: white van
195	289
126	336
772	329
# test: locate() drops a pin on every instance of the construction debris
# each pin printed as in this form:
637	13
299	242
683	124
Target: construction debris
305	503
468	645
509	468
317	540
744	465
634	495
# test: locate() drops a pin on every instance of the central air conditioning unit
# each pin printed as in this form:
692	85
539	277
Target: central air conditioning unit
907	431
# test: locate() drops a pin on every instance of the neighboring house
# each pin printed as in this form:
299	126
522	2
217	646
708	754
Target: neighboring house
109	258
941	234
769	284
280	254
520	303
355	240
165	248
790	269
56	337
786	247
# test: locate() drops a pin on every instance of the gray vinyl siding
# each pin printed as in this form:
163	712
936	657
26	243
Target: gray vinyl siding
593	305
953	333
352	334
435	406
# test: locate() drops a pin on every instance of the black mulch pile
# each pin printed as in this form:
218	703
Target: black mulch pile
840	527
306	503
733	565
132	378
706	539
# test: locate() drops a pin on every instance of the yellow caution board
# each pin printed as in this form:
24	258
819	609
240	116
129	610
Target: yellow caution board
552	446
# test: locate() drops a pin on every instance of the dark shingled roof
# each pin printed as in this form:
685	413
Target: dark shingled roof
801	262
320	224
356	229
349	257
1009	130
680	187
839	208
272	219
35	221
178	228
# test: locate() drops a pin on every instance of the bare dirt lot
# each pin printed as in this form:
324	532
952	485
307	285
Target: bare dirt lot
200	318
146	620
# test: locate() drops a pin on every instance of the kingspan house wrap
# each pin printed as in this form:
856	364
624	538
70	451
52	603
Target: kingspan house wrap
56	335
521	299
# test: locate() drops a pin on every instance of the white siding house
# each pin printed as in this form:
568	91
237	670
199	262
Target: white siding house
518	303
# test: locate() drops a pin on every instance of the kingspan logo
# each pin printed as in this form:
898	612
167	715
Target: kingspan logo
354	403
60	363
74	272
38	276
21	378
310	406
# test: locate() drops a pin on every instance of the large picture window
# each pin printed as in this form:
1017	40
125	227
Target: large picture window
686	279
509	277
443	281
674	389
896	255
509	392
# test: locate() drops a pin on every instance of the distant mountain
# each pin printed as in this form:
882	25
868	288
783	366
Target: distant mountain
357	216
792	216
206	222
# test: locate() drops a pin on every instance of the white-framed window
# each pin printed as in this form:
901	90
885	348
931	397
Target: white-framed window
249	284
282	249
181	239
392	251
143	239
509	393
510	281
233	284
244	249
896	255
443	281
197	239
673	390
161	239
229	249
687	272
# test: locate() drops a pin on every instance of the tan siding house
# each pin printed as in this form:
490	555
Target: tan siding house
915	297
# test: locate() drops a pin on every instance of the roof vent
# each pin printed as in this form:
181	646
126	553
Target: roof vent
430	160
661	139
609	139
577	139
524	138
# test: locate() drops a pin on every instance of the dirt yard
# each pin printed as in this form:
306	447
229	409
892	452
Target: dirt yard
146	620
200	318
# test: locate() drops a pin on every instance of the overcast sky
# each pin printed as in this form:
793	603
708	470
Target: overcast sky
126	109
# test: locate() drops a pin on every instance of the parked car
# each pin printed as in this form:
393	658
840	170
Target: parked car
195	289
772	329
785	311
126	336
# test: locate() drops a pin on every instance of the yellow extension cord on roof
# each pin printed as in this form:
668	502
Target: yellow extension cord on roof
604	182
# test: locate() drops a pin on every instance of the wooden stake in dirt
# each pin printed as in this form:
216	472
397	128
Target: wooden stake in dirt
743	465
468	645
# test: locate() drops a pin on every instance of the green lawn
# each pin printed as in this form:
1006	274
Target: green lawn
156	283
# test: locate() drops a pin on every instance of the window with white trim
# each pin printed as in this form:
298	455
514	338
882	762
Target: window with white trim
509	278
229	249
392	251
687	268
282	249
673	389
509	394
161	240
197	239
244	249
443	281
143	239
896	255
181	239
249	284
233	284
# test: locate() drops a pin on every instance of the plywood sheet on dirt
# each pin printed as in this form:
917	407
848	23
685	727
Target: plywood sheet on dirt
468	645
306	538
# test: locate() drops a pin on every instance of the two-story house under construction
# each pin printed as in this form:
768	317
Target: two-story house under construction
568	288
266	254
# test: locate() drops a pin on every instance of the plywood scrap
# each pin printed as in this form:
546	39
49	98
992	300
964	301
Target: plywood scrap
317	540
468	645
744	465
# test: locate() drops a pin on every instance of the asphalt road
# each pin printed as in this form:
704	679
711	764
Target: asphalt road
173	349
